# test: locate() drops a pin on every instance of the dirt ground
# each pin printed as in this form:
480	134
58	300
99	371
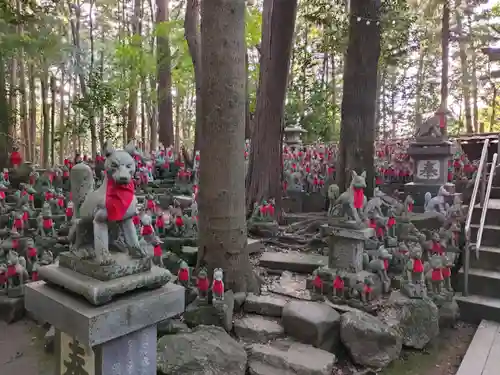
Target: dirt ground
443	357
21	349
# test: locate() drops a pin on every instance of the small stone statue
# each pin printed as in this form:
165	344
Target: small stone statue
183	275
45	222
147	226
415	285
351	202
218	284
333	195
380	265
69	211
317	282
338	285
203	284
434	276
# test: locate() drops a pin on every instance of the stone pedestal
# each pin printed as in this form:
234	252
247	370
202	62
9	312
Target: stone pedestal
116	338
346	247
430	168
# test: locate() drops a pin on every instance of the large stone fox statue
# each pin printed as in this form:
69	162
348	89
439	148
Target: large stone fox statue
113	204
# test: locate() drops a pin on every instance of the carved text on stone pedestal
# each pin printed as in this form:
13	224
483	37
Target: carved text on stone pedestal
76	358
428	169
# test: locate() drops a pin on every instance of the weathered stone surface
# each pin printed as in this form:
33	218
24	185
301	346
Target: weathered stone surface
416	319
369	341
312	323
449	312
239	301
49	340
11	309
219	313
267	305
285	357
258	329
293	262
189	254
171	327
208	350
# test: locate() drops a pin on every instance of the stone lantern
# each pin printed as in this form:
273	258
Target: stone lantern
293	134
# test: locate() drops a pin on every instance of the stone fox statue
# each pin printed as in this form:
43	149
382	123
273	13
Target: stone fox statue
114	202
351	202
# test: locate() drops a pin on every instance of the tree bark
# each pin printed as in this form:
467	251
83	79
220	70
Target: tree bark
5	142
133	92
32	111
44	85
52	119
264	172
493	107
165	115
445	55
357	133
223	232
193	39
464	68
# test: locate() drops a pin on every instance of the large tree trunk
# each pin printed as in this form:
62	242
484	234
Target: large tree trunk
418	87
62	126
32	112
5	142
445	55
44	85
464	68
133	94
223	232
193	39
357	133
264	172
23	112
493	106
165	115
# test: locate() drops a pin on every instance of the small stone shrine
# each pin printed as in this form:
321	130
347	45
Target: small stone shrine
112	329
293	134
431	153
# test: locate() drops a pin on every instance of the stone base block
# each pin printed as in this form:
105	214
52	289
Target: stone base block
95	325
11	309
122	265
99	292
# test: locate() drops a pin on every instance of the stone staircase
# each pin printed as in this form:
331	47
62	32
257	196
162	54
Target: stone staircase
483	301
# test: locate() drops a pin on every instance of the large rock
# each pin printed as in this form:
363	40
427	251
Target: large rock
285	357
267	305
416	319
257	329
312	323
370	342
208	350
11	309
218	313
449	312
171	327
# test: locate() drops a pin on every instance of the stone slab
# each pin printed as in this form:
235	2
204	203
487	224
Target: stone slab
95	325
255	246
355	234
293	262
99	292
11	309
122	265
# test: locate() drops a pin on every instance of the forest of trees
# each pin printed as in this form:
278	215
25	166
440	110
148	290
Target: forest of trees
208	74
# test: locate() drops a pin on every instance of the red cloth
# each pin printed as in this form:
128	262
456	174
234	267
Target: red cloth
26	216
11	270
410	207
151	205
367	289
203	284
418	266
270	209
338	283
3	278
60	202
48	195
2	195
18	223
31	198
159	222
446	272
32	252
34	276
437	275
318	283
15	243
359	195
136	220
69	212
47	223
218	287
147	230
386	264
437	248
15	158
157	252
118	199
183	274
179	222
391	222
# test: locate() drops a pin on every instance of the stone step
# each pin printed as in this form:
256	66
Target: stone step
481	282
474	308
285	357
258	329
492	215
489	258
491	234
293	262
495	192
265	304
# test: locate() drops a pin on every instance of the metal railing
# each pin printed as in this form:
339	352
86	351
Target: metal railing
477	182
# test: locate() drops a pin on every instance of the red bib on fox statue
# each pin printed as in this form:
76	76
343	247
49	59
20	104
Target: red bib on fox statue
15	158
118	199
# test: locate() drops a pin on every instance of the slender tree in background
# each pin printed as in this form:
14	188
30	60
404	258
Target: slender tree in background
357	134
222	221
264	173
